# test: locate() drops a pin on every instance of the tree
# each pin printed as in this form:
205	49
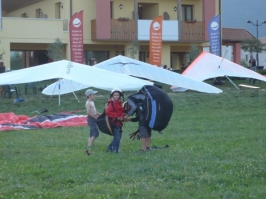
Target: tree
193	53
251	45
55	50
244	63
2	54
133	49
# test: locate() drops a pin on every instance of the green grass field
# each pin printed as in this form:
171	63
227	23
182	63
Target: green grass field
217	150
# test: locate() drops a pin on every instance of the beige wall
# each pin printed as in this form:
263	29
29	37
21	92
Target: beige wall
47	7
41	32
166	52
126	11
217	6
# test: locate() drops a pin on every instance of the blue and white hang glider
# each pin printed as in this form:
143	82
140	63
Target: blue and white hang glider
128	66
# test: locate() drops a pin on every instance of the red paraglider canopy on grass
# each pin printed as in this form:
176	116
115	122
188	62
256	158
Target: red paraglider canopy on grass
11	121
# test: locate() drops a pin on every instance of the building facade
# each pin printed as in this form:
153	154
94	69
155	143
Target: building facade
110	27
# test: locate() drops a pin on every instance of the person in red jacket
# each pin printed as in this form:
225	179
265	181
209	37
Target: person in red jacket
116	114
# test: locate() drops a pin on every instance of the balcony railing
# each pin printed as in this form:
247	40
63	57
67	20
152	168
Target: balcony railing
191	31
121	30
124	30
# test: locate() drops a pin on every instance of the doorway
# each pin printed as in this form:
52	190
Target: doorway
178	60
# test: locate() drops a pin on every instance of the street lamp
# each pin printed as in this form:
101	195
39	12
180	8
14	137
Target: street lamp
257	25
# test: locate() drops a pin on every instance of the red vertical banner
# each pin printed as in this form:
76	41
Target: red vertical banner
156	41
76	37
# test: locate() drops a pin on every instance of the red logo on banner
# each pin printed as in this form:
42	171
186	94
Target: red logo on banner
156	41
76	37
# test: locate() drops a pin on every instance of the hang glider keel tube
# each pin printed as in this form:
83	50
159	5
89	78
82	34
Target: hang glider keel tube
231	82
225	75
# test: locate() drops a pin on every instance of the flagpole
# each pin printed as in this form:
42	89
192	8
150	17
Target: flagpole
221	29
179	17
136	17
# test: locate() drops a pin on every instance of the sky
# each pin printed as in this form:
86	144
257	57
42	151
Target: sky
236	13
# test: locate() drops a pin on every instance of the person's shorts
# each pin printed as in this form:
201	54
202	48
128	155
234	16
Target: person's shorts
144	132
94	131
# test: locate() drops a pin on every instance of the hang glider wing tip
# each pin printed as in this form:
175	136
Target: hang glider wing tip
217	92
181	89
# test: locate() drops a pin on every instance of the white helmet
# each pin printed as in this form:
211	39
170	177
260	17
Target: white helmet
116	90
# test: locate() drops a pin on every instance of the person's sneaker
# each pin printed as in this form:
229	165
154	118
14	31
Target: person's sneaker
87	152
141	150
154	148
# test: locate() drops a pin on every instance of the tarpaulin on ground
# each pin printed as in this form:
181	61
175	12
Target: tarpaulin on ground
11	121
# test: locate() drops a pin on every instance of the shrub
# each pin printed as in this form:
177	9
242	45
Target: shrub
262	72
244	63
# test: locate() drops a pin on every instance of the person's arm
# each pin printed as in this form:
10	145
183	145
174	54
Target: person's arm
134	119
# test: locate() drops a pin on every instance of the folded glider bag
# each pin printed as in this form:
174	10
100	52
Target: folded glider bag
156	104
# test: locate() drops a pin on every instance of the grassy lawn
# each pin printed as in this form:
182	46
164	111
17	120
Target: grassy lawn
217	150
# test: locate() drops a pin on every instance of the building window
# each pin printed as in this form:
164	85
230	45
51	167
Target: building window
94	57
25	59
38	13
187	12
142	56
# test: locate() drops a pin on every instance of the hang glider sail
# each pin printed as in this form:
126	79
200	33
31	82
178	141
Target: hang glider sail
208	65
128	66
80	73
63	86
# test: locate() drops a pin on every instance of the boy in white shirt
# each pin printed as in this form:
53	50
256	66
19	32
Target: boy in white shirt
92	116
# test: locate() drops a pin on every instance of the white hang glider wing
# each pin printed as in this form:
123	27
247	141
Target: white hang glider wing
128	66
63	86
80	73
208	65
